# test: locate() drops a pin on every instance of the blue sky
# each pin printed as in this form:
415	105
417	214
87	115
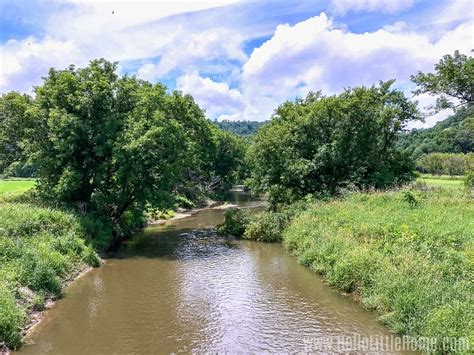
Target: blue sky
239	59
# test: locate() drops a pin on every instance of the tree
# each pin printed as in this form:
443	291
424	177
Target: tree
322	144
14	124
229	157
240	128
453	82
113	144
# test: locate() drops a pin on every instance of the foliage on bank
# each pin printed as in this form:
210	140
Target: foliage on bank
40	249
405	254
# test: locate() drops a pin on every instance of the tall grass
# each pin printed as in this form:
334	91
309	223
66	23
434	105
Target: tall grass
407	255
40	248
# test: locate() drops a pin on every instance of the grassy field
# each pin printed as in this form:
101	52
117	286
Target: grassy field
442	180
408	255
14	187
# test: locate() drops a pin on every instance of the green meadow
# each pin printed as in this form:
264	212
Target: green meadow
14	187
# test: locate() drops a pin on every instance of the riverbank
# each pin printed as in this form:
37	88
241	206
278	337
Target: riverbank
41	250
406	254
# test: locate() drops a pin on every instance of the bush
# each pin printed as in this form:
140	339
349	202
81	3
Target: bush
453	164
11	319
266	227
235	222
469	180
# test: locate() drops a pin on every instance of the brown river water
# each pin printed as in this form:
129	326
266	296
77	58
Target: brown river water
180	287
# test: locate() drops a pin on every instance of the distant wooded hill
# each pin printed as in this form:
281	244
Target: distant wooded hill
452	135
240	128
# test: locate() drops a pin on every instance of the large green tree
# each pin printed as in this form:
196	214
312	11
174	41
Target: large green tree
322	144
113	144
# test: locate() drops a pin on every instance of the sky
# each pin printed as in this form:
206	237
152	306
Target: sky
239	59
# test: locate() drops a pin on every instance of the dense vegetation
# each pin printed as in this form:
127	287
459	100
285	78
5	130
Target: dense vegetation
321	145
240	128
392	248
446	163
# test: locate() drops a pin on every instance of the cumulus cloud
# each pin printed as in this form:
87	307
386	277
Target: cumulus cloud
79	31
23	63
314	54
341	7
187	49
217	98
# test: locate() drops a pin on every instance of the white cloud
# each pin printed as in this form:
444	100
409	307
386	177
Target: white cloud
187	49
425	101
23	63
314	54
119	31
341	7
217	98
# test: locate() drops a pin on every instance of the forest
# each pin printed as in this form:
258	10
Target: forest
104	152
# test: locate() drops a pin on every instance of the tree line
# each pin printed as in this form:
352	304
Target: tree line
240	128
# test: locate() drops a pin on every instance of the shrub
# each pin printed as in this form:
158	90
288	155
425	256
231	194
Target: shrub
469	180
265	227
235	222
446	163
11	318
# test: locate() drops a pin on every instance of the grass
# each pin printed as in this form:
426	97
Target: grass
407	255
11	188
442	180
40	249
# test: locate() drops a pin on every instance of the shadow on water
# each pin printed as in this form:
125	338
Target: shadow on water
191	237
182	243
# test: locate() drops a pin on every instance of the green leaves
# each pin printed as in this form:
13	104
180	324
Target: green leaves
111	145
322	144
453	81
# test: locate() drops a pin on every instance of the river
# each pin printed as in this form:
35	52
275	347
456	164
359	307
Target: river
179	287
